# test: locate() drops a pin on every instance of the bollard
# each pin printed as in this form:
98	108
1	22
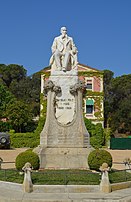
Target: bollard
127	162
27	183
1	161
105	183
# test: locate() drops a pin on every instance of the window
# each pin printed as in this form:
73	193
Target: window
89	106
89	84
89	109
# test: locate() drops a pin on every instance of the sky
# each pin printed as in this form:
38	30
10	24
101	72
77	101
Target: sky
101	30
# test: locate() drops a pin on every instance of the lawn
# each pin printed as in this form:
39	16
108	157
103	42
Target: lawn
64	177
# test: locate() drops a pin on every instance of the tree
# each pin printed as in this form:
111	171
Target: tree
108	76
121	104
117	103
19	115
5	98
12	72
28	90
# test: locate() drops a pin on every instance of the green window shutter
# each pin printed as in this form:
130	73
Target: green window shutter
89	102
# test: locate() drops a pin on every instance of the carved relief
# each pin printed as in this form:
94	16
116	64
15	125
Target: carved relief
49	85
76	87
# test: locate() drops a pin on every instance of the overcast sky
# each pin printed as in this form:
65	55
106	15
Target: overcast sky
101	30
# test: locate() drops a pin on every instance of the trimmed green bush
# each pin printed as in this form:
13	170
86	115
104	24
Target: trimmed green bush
19	140
96	133
97	157
27	156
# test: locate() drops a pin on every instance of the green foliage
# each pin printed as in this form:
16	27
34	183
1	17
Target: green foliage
19	115
91	73
96	133
15	84
24	88
107	135
5	98
92	93
40	125
27	156
121	117
90	126
11	175
47	74
28	91
4	126
117	103
12	72
42	115
98	140
11	131
31	139
108	76
62	177
54	177
119	176
97	157
19	140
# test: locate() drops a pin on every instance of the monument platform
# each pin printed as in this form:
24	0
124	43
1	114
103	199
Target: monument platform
64	140
63	158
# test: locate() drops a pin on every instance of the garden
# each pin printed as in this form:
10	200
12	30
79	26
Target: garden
65	177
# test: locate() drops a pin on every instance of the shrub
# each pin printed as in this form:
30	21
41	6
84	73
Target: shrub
107	134
12	131
97	157
96	133
4	126
27	156
19	140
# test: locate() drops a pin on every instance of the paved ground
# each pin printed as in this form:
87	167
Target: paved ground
10	156
6	189
14	193
118	157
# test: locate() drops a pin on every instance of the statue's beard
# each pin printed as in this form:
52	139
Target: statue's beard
64	35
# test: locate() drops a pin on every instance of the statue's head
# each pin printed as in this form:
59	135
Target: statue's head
63	31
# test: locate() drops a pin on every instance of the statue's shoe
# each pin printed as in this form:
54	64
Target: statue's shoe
64	69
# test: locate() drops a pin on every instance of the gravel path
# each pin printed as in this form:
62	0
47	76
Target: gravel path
11	154
118	157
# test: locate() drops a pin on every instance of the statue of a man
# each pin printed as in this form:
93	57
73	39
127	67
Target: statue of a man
64	52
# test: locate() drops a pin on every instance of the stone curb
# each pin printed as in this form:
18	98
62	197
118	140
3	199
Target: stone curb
54	193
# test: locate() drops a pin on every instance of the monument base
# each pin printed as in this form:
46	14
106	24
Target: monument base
63	158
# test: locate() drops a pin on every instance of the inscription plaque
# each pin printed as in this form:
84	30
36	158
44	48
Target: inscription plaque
65	109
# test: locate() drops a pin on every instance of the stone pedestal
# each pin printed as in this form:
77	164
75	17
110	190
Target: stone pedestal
64	140
63	158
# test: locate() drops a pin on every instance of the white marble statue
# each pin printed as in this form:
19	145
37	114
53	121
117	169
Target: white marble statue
64	52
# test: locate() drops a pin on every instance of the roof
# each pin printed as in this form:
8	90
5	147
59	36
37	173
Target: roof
81	67
86	68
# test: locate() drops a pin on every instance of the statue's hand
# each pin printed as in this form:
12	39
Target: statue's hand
74	50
